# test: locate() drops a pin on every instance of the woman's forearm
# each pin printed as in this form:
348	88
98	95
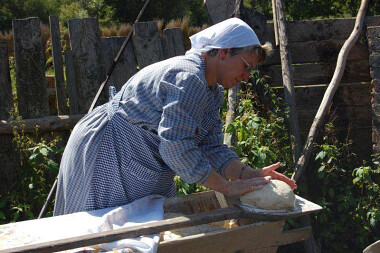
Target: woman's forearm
234	170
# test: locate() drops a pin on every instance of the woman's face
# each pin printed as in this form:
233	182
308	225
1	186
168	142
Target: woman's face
234	69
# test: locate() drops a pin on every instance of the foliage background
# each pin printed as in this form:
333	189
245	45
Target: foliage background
116	12
347	189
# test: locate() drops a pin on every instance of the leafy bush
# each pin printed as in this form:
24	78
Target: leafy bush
34	176
260	127
350	198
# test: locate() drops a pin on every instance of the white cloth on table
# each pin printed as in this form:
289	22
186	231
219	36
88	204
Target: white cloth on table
143	210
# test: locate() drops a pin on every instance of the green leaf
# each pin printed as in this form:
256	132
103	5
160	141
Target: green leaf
33	157
320	155
321	168
44	151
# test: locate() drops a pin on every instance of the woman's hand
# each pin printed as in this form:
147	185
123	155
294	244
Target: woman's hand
270	171
234	169
242	186
235	187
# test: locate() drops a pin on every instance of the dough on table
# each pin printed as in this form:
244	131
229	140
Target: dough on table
274	195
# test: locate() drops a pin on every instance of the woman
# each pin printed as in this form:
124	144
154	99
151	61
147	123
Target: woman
165	121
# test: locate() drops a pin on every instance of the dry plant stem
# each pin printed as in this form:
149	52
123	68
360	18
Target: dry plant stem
329	94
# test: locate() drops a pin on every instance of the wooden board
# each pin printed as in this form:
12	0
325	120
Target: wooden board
319	73
173	43
324	29
342	117
58	66
147	43
218	10
310	97
86	62
320	51
193	203
6	96
126	66
257	237
30	68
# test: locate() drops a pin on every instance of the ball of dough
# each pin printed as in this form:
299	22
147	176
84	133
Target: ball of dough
275	195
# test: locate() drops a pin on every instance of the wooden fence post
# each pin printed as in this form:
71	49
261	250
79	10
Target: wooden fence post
219	11
147	43
31	82
71	83
58	66
173	42
6	98
373	36
86	56
126	66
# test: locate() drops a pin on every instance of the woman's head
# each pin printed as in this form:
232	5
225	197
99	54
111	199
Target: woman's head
231	33
261	51
231	50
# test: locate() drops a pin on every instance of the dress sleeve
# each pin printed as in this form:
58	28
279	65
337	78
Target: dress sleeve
218	154
184	100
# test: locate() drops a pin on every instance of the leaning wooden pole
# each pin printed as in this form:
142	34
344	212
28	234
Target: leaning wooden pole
329	94
287	79
290	99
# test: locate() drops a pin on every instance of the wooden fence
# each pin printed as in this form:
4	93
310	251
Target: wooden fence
314	49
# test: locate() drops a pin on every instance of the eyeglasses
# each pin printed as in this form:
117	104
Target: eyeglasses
248	67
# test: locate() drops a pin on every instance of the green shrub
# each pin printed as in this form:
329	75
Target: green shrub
350	198
34	175
260	129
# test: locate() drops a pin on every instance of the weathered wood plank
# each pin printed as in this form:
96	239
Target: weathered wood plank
58	66
324	29
310	97
132	232
249	238
30	68
218	10
373	36
126	66
46	124
71	83
173	43
193	203
86	50
343	117
319	73
6	97
320	51
147	43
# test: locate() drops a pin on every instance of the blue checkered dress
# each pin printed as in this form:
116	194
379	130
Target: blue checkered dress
164	121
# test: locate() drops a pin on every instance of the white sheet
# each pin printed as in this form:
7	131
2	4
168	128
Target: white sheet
141	211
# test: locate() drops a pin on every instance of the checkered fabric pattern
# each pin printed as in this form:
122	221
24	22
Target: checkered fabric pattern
165	120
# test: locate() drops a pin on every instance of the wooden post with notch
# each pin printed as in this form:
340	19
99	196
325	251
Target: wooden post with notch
58	66
6	99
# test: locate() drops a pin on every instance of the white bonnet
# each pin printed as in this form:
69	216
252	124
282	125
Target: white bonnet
230	33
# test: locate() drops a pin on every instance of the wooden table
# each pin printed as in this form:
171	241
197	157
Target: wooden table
262	230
